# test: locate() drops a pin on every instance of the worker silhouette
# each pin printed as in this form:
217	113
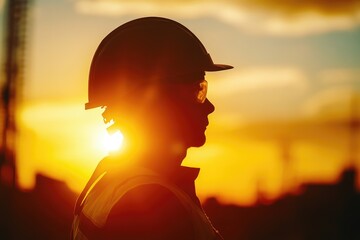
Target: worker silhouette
149	76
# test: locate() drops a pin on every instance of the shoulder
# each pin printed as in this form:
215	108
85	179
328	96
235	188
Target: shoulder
146	198
149	211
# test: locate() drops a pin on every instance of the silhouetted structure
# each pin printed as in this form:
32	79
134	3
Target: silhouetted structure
16	21
321	211
44	213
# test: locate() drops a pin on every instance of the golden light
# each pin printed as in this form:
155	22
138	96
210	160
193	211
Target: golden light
112	142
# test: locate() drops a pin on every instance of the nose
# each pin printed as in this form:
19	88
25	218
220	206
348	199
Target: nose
208	106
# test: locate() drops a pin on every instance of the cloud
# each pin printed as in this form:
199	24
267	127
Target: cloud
278	17
343	76
339	87
260	78
292	8
258	94
330	103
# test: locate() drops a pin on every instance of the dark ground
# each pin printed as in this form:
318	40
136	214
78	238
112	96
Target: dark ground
319	212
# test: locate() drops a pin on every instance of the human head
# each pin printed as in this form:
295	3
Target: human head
142	64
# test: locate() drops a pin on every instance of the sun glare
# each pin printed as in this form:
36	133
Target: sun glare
112	142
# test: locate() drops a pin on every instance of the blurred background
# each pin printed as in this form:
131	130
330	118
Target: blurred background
282	154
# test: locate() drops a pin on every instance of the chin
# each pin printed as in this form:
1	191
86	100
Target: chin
197	141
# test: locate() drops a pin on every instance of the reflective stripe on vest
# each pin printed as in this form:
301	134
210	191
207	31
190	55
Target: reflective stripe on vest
102	198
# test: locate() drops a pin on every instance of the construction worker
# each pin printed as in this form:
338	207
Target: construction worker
149	76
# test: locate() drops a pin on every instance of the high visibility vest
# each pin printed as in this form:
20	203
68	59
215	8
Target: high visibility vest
102	197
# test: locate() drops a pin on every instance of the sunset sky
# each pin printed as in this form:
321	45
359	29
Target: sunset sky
296	64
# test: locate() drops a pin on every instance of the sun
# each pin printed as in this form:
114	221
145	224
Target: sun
112	142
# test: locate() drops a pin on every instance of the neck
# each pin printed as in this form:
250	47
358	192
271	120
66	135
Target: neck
163	158
158	154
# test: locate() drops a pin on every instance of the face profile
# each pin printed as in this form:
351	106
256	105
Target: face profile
191	111
149	77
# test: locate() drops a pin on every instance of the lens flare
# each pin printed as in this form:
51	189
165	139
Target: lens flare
112	142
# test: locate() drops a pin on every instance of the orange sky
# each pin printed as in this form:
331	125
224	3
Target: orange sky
291	65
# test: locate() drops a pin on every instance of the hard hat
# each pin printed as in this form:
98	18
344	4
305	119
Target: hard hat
144	51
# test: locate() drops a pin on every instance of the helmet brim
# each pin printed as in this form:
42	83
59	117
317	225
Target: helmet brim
218	67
